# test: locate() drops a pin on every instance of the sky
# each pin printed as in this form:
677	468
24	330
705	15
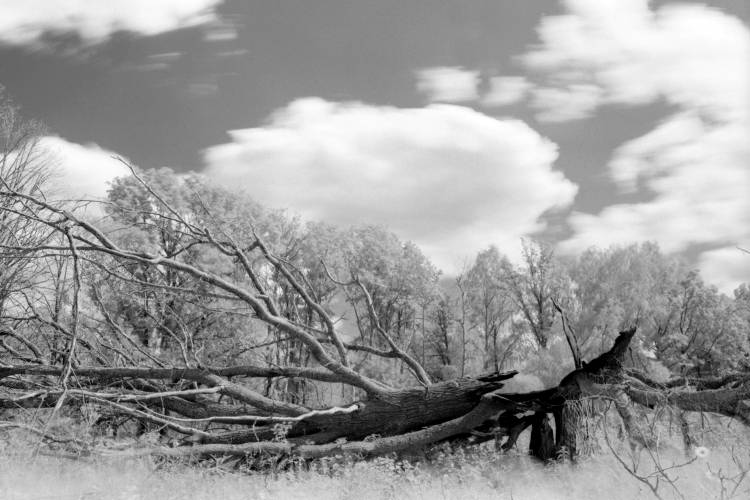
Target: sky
457	124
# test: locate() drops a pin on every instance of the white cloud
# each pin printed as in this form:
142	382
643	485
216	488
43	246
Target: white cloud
448	177
448	84
458	85
726	267
693	167
571	102
26	22
690	55
505	90
81	171
697	177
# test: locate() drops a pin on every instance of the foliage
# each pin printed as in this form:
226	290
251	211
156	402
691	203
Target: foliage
687	325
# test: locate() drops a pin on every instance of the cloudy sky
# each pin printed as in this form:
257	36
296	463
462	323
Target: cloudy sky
458	124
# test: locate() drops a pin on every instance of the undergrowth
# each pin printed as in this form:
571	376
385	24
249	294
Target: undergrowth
715	467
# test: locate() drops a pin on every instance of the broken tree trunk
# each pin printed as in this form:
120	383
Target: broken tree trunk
395	413
413	418
542	441
391	420
463	410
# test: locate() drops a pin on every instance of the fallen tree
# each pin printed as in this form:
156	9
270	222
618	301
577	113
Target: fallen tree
210	409
393	421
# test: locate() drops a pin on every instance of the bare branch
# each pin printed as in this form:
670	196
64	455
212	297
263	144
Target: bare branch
417	369
570	335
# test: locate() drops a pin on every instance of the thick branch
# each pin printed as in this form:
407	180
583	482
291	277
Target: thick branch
729	402
174	373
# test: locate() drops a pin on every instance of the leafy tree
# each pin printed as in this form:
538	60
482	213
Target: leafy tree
621	286
491	301
169	312
687	325
441	335
704	332
389	283
533	285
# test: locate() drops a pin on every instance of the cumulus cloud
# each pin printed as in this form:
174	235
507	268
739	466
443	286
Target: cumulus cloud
450	178
27	22
692	169
697	178
505	90
690	55
80	171
448	84
571	102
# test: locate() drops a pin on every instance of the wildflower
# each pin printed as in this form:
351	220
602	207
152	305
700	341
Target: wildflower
701	452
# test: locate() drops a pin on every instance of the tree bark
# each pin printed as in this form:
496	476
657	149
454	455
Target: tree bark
395	413
542	441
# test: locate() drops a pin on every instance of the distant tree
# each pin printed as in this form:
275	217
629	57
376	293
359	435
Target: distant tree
163	308
387	281
621	286
742	302
491	301
24	167
704	333
533	285
441	334
685	324
464	319
396	273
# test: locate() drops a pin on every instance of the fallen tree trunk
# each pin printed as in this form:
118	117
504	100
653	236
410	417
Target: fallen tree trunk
390	421
733	402
413	418
396	413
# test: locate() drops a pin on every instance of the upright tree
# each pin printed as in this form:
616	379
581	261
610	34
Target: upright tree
533	285
24	167
491	301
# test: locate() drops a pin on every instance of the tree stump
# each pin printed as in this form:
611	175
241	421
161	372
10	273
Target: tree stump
542	442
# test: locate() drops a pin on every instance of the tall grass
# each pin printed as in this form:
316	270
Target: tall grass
714	471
